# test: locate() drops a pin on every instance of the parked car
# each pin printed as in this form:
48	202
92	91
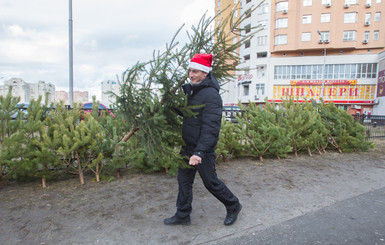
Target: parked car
87	107
230	111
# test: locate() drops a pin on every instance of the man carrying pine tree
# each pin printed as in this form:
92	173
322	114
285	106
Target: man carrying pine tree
200	134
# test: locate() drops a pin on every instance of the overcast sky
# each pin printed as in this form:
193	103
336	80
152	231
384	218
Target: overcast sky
109	36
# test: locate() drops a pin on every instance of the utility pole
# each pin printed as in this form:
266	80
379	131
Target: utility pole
71	64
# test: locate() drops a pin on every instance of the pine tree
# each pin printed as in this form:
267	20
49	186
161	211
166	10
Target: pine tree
262	133
301	119
9	138
151	91
344	133
228	145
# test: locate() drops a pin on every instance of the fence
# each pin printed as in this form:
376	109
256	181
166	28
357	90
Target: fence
374	125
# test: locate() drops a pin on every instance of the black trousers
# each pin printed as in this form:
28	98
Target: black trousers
210	180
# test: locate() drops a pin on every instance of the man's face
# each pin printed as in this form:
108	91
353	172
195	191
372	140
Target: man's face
196	76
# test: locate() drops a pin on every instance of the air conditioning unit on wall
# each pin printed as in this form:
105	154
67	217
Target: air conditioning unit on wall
346	5
365	41
256	97
328	5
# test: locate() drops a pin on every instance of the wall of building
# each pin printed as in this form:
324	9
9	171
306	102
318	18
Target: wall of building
379	107
355	94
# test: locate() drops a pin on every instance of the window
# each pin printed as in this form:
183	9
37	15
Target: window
376	35
262	23
247	1
280	39
247	28
261	41
218	23
306	36
369	2
325	35
325	18
281	6
307	3
332	71
248	13
326	2
281	23
260	89
247	44
367	18
245	90
235	2
263	9
235	40
350	17
378	1
349	36
219	3
366	35
306	19
377	16
351	1
262	55
246	57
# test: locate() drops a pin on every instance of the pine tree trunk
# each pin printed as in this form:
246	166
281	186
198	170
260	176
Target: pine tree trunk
118	173
43	183
309	151
80	170
131	133
97	175
261	158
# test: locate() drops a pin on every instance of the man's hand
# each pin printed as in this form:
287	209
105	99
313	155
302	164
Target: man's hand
195	160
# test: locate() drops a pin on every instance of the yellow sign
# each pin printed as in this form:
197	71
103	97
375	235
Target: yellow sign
332	92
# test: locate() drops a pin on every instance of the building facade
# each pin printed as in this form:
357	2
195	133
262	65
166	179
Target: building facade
109	90
29	91
312	49
78	97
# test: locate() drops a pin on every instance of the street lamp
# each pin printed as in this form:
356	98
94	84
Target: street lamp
70	41
324	67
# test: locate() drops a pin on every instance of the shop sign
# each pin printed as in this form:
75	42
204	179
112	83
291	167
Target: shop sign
381	84
331	92
247	77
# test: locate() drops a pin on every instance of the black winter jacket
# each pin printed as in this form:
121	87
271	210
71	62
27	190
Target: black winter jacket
200	133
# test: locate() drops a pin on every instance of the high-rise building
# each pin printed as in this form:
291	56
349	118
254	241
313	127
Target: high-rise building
312	49
109	90
79	97
29	91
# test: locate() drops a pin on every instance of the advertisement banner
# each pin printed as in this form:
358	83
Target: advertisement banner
381	84
331	93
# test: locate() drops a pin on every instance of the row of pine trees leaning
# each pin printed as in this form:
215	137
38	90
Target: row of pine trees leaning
144	134
48	143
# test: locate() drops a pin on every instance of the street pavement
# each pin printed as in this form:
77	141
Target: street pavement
355	221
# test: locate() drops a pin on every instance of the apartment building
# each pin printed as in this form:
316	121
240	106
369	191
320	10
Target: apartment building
29	91
313	49
109	90
78	97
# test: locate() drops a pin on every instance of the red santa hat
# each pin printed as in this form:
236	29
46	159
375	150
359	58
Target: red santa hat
201	62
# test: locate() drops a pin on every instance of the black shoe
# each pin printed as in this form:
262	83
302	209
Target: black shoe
231	217
175	220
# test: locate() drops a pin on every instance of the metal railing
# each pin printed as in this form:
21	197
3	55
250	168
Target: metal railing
374	125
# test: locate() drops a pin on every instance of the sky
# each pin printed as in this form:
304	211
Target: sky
108	37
